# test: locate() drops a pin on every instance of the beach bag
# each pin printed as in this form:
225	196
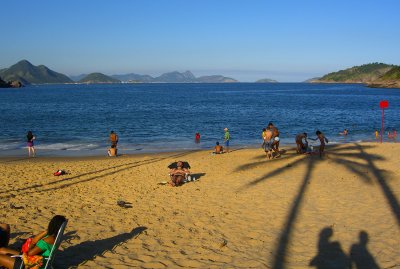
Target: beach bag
30	262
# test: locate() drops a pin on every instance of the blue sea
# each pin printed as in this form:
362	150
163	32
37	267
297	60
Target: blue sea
77	119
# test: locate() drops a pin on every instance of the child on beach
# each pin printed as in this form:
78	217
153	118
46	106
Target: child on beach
322	140
218	149
41	245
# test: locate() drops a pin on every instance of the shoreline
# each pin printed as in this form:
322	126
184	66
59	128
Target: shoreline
99	152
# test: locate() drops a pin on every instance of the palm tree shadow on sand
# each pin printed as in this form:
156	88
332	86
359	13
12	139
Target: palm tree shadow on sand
357	163
86	251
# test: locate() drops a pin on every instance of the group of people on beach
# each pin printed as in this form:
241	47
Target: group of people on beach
270	136
302	143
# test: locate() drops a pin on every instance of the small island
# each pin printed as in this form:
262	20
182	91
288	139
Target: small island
266	80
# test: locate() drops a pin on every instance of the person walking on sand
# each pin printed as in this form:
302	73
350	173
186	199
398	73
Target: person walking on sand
227	138
322	140
113	138
30	137
376	135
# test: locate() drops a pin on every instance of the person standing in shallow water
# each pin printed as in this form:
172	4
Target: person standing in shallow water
113	139
227	138
30	137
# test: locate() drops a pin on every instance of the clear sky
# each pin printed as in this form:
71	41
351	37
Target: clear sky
288	41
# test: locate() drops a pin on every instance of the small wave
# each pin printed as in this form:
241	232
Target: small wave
66	146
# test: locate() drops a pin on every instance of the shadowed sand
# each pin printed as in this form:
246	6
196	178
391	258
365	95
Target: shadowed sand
244	212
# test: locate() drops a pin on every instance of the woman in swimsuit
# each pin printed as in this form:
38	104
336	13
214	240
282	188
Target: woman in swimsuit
30	137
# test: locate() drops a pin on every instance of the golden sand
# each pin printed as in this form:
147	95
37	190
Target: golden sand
245	211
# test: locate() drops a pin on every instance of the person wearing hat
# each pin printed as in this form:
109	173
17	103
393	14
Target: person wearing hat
227	137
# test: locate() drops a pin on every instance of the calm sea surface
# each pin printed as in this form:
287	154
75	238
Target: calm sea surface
77	119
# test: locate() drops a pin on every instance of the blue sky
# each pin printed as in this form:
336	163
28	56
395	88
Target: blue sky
248	40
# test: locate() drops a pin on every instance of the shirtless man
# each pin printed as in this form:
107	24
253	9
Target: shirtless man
275	138
322	139
267	136
301	147
178	174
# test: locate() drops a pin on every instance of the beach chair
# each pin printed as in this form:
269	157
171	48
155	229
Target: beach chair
48	262
57	242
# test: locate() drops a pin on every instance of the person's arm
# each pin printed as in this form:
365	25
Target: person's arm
326	139
33	249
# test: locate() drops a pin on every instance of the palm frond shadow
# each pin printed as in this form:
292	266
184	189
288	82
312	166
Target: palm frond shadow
360	163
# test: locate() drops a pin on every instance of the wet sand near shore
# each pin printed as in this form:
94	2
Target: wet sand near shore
244	211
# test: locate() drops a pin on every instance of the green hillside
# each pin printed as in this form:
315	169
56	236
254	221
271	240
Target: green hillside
98	78
27	73
392	74
357	74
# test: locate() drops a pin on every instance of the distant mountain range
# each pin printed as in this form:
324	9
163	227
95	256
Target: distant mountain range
28	73
378	75
174	77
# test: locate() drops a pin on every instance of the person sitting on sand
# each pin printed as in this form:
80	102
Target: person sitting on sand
218	149
179	174
301	146
112	152
322	140
40	245
4	235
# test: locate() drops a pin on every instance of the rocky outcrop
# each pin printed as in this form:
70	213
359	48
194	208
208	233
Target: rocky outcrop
10	84
385	84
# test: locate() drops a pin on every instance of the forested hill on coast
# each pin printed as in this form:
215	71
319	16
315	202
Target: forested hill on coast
378	75
27	73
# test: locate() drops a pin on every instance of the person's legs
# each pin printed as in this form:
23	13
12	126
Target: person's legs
321	150
298	147
33	151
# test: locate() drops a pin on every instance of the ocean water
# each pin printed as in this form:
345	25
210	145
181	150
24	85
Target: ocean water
77	119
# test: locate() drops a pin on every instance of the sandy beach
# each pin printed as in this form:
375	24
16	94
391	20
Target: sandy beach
245	211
